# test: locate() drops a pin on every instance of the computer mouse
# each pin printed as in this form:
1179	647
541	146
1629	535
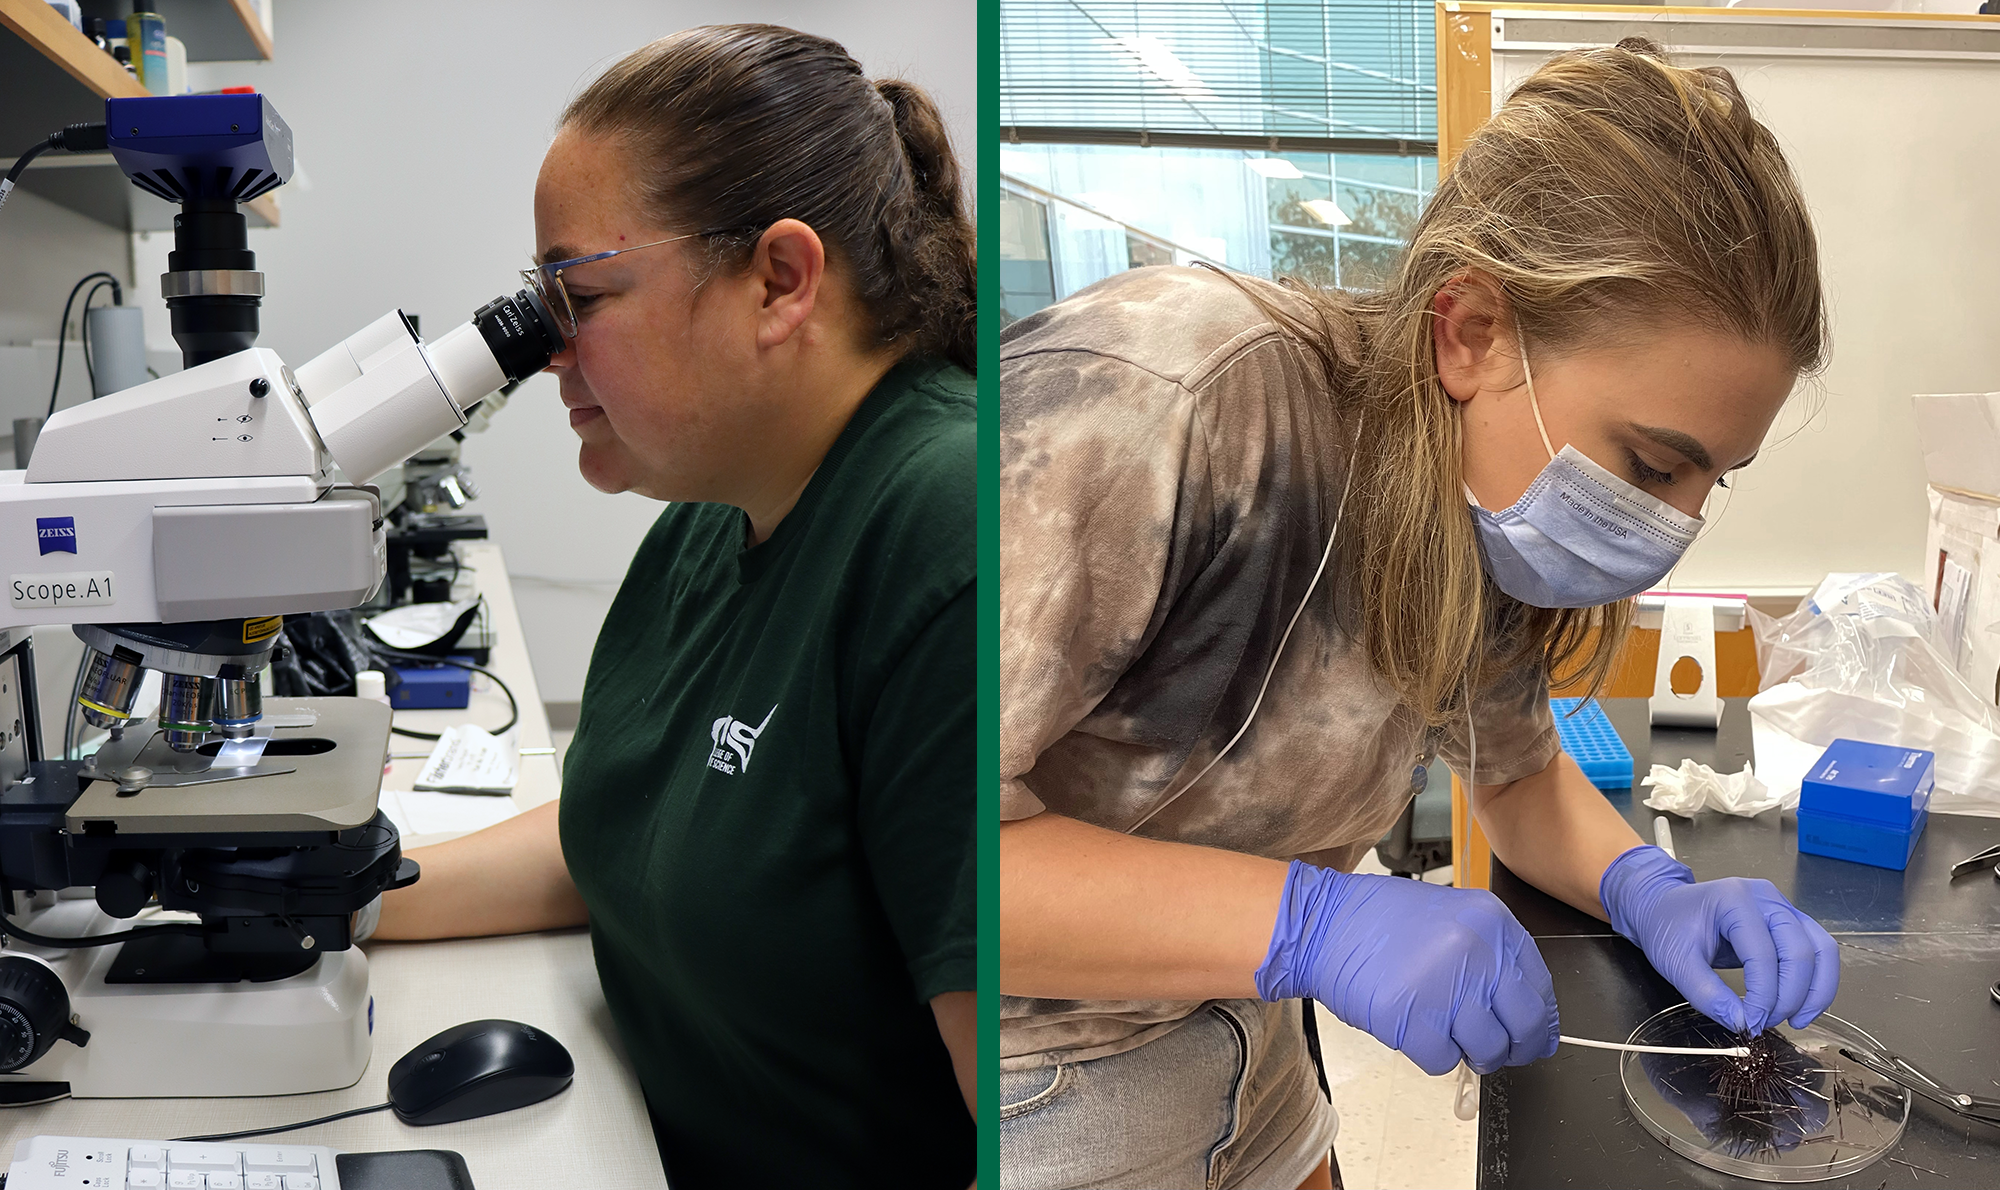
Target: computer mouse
477	1069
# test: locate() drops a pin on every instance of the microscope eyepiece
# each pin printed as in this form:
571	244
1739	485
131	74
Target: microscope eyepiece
520	332
383	394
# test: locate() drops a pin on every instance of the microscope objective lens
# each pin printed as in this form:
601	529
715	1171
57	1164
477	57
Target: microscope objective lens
109	686
239	704
186	707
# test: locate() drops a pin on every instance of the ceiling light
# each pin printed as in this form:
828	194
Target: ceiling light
1324	210
1274	167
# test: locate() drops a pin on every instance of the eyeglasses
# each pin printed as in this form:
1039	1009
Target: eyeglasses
547	279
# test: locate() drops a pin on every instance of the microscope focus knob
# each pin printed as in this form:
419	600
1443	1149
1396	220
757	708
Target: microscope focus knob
34	1011
124	889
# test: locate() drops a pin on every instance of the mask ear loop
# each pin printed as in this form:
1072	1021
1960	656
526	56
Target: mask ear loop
1339	511
1528	375
1471	742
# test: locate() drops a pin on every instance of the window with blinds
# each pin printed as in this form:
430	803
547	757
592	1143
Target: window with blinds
1333	76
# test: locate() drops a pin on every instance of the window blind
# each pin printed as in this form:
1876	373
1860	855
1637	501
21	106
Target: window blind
1277	75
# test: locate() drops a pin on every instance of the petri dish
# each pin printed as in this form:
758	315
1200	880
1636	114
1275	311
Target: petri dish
1796	1110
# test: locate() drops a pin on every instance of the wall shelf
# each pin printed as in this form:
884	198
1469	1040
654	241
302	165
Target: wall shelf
216	30
52	75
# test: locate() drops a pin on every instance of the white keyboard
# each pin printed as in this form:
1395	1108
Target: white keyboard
94	1163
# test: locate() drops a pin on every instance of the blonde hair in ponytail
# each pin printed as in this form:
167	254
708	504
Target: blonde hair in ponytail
1611	193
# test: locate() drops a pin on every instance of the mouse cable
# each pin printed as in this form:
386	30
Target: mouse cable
340	1115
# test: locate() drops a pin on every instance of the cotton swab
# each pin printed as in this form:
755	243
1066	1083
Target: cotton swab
1734	1051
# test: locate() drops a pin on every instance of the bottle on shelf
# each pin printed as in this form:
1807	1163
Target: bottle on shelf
146	35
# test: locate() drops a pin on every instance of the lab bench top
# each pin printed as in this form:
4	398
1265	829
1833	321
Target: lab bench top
1918	952
594	1134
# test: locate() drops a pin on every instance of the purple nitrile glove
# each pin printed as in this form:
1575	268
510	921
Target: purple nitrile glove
1438	973
1791	967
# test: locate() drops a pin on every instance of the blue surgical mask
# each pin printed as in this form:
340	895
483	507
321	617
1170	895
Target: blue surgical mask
1579	536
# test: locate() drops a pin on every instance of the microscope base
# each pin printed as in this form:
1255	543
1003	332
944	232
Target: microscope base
308	1032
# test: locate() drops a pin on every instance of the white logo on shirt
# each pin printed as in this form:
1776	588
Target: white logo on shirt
734	740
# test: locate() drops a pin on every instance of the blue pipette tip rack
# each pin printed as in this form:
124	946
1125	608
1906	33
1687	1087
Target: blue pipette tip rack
1593	743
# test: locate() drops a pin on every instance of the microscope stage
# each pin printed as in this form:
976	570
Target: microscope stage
323	777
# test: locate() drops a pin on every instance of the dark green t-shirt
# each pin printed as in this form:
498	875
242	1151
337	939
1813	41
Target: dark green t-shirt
768	808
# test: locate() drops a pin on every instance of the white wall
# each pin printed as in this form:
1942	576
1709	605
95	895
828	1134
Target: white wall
419	129
44	250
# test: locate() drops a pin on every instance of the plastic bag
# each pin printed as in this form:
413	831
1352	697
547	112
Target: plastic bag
1860	660
433	628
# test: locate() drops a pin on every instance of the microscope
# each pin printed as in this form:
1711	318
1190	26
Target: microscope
174	526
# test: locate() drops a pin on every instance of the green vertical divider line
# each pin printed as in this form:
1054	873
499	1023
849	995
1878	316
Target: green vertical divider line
988	214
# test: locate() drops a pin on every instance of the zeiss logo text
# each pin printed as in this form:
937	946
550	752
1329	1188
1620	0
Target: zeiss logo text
56	534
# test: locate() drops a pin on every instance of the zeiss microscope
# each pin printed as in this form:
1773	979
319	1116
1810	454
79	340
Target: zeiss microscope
174	525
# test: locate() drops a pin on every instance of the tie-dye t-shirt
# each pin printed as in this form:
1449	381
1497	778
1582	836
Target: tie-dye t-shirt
1170	467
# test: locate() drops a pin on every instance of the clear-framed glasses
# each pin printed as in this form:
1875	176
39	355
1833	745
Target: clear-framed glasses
548	279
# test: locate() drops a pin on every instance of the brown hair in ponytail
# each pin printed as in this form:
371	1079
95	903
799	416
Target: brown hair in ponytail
739	126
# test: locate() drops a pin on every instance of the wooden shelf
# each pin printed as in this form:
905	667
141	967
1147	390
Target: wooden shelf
48	67
216	30
51	75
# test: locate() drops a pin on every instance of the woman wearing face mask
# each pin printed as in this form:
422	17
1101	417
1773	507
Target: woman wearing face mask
763	264
1267	552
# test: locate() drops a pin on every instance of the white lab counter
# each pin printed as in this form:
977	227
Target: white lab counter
594	1134
539	781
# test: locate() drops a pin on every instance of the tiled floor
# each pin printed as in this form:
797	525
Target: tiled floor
1396	1124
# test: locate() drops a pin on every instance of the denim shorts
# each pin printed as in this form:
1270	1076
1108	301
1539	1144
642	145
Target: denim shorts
1231	1098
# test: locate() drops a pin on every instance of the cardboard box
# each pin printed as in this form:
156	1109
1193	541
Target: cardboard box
1962	578
1960	434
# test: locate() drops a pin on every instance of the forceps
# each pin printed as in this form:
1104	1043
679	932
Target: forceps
1901	1070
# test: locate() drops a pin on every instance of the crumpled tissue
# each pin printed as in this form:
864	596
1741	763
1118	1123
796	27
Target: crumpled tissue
1695	787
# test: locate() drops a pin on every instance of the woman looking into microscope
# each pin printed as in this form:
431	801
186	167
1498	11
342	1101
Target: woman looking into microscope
766	267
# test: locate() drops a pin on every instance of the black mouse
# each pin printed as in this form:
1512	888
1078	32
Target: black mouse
477	1069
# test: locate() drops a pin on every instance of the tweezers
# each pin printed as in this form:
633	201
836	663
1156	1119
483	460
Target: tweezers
1986	858
1901	1070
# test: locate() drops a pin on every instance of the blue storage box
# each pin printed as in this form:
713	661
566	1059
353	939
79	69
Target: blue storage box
1866	802
1877	783
1593	743
430	687
1860	842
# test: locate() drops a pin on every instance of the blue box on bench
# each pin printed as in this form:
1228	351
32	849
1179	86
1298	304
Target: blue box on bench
1860	842
431	687
1866	803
